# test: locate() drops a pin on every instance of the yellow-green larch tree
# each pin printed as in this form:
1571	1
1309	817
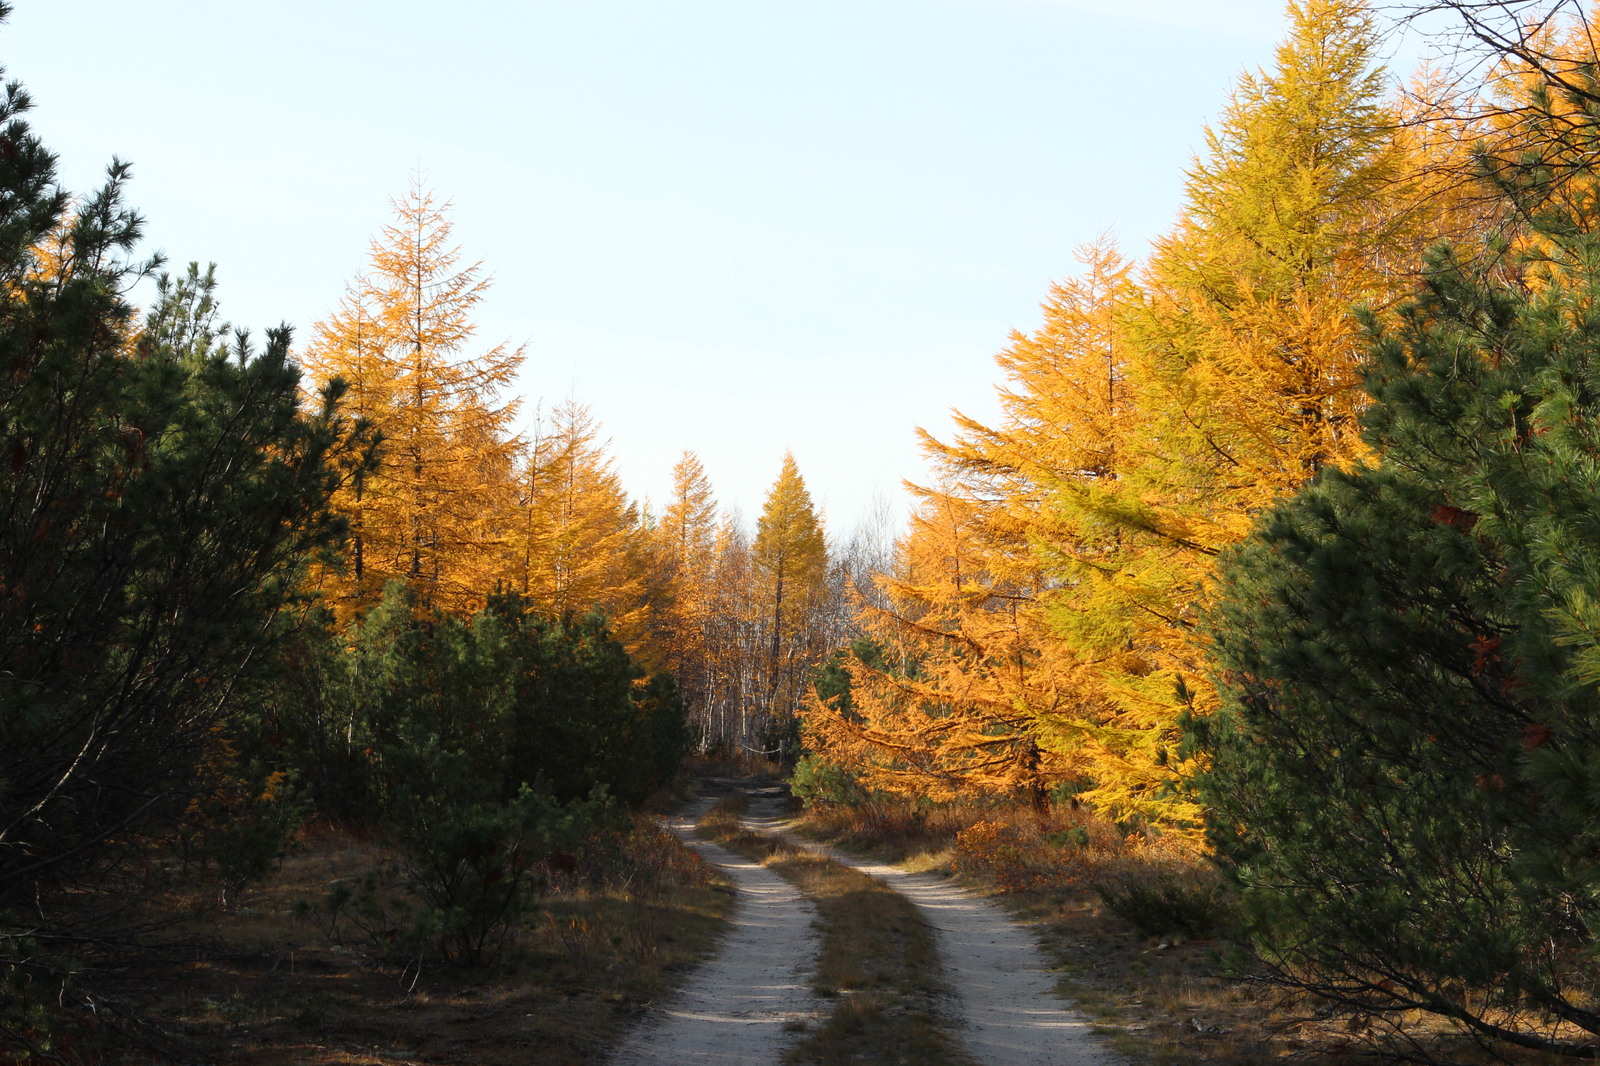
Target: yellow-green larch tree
1243	360
1249	341
433	512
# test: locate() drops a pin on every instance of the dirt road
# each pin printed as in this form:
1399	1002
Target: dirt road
743	1006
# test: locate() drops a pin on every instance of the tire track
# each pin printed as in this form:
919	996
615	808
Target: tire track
1008	1009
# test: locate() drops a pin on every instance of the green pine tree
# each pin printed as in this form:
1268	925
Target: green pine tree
1404	774
163	489
164	492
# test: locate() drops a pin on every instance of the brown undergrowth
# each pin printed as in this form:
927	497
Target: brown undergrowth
287	977
878	964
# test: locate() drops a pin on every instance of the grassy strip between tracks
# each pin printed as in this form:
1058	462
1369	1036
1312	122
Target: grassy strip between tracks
878	965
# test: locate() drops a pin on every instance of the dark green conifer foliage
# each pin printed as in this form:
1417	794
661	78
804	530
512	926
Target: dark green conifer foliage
585	715
482	746
1405	772
525	699
162	491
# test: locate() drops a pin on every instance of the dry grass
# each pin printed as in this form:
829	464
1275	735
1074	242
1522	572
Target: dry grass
877	962
281	980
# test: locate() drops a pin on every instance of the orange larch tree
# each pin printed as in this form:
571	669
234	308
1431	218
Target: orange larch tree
950	679
433	511
685	543
733	640
961	683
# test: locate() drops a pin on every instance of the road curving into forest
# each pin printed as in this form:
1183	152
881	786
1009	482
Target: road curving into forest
747	1004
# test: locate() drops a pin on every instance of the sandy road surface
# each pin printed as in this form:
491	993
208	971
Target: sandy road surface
1008	1010
741	1007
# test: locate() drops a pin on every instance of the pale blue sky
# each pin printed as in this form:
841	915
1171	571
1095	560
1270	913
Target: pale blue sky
738	227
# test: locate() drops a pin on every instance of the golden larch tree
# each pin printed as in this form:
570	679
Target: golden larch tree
734	642
790	554
962	684
346	345
433	512
949	681
685	541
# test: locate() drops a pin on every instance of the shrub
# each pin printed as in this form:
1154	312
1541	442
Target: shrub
474	863
1020	852
489	745
1164	899
636	858
997	851
817	782
238	830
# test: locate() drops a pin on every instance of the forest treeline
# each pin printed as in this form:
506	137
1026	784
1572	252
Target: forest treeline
459	503
1284	543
